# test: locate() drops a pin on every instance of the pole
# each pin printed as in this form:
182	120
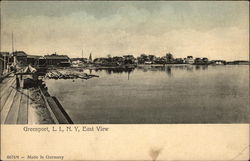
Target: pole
82	54
12	38
4	62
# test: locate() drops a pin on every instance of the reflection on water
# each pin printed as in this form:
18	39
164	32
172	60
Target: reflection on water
168	68
114	70
158	94
175	67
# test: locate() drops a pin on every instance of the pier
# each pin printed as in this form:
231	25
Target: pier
15	103
29	105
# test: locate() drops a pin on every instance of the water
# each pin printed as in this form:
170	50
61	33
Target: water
172	94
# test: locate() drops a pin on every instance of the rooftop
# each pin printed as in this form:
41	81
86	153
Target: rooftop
33	56
4	54
55	56
19	53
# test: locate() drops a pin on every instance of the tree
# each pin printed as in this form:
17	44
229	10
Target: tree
169	57
151	57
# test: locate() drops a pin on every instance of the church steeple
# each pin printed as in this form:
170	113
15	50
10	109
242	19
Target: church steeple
90	57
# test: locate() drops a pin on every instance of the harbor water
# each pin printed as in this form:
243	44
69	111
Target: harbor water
170	94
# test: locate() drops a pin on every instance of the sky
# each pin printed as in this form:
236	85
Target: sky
215	29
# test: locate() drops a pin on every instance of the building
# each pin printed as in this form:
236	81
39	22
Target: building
218	62
201	61
198	61
79	60
148	62
189	60
205	60
33	59
57	60
5	61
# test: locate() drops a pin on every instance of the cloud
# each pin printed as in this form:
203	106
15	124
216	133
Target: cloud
216	30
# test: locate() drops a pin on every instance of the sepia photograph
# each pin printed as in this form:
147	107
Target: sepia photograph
124	80
124	62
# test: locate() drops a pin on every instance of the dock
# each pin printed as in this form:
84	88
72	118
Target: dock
19	107
14	103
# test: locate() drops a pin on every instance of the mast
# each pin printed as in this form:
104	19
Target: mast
82	54
12	38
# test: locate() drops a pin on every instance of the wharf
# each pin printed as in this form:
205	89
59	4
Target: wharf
15	103
28	105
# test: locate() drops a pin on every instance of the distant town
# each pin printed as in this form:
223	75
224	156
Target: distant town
21	58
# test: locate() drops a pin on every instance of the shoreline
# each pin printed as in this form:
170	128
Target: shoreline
146	65
138	65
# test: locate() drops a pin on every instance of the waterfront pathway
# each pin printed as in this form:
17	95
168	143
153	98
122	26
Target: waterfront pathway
29	106
15	103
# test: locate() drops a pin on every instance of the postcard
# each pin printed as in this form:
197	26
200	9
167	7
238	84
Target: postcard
124	80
